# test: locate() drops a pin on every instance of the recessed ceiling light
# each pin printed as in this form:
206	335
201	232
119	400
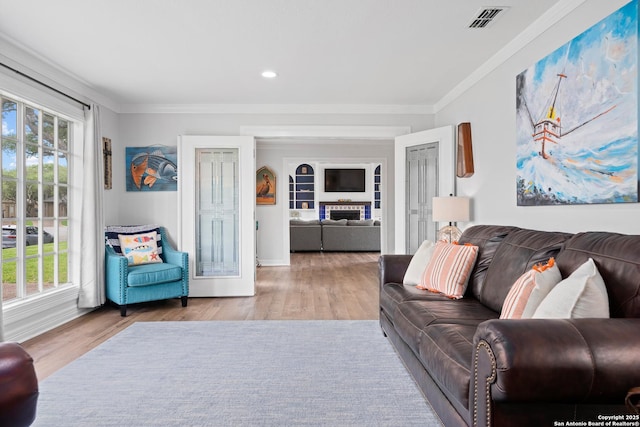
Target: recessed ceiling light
268	74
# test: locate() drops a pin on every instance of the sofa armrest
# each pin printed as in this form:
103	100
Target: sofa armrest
18	387
116	269
176	257
173	256
572	361
391	268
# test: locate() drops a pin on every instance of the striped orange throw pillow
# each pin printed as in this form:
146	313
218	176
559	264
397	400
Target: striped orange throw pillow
529	290
449	269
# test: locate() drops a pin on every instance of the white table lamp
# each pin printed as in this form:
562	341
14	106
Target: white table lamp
450	209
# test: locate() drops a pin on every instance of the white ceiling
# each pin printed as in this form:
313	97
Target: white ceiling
326	52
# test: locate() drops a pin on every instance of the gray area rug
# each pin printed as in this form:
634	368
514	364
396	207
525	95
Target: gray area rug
237	373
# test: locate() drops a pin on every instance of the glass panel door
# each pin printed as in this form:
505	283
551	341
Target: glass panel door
216	210
217	213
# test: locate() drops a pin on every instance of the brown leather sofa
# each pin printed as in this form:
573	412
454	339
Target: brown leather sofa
478	370
18	386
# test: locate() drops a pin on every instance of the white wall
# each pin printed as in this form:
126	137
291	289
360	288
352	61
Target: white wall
137	130
490	108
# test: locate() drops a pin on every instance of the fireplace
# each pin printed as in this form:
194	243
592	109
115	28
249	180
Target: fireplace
345	209
345	214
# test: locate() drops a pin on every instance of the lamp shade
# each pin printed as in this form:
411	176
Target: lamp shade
450	209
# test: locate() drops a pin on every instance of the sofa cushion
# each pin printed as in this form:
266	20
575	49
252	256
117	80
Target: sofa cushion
334	222
411	317
487	238
153	274
392	294
581	295
519	252
446	350
529	290
304	222
418	263
449	268
617	257
360	222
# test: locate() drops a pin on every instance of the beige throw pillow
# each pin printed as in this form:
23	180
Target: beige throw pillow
582	294
418	263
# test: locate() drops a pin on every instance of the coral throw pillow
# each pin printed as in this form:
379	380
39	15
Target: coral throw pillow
140	248
529	290
449	269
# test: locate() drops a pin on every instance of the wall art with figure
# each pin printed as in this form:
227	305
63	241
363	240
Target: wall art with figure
577	118
265	186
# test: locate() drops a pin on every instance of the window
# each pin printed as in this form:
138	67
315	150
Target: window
35	175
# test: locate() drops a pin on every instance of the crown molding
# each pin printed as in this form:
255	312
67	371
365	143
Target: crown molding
539	26
31	63
329	132
275	109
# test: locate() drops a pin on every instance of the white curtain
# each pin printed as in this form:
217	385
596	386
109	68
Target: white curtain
92	224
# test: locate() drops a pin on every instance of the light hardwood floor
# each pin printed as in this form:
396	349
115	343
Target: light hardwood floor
317	286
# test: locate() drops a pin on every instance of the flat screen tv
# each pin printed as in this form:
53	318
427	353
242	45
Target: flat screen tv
344	180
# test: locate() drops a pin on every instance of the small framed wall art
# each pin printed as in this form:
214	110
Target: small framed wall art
151	168
265	186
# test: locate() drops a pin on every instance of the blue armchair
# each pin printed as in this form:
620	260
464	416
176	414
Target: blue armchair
130	284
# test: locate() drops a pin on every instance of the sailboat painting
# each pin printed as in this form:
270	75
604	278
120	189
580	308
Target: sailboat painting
577	118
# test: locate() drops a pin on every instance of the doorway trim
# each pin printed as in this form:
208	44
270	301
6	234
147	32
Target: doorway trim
446	160
343	132
315	132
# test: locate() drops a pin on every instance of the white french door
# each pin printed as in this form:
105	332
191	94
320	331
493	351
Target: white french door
413	195
216	188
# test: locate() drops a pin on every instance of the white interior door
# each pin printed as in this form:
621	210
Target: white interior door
421	186
408	180
216	197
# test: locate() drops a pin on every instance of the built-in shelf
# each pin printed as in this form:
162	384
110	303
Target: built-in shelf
377	182
304	188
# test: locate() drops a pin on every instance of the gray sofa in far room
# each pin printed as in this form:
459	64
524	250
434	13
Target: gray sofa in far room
351	235
334	235
305	235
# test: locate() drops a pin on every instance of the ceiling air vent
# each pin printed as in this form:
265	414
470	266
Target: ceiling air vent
487	16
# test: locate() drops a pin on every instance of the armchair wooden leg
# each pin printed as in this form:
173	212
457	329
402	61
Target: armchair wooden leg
184	301
123	310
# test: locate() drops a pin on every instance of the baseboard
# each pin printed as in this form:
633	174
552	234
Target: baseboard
27	319
272	263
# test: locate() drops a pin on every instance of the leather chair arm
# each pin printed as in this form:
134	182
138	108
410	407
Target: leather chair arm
18	386
557	360
392	268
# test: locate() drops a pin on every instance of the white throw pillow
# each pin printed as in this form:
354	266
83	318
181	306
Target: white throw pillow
583	294
418	263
